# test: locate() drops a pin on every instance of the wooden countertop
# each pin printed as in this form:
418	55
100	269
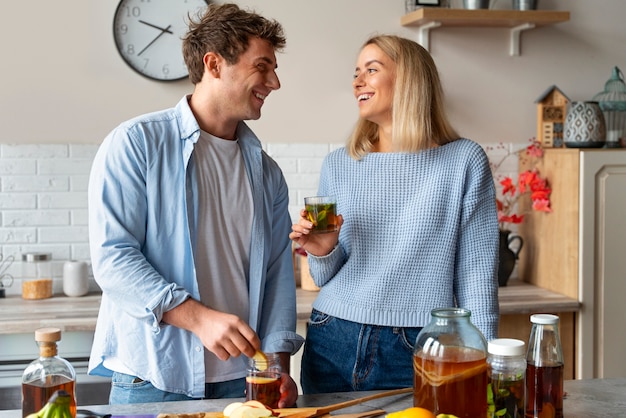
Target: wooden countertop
80	313
19	316
585	398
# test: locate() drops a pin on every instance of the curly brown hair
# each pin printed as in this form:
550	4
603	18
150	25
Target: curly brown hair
226	30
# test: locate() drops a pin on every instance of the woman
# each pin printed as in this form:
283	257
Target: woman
418	228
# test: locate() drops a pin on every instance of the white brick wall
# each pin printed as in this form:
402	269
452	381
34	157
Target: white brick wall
43	196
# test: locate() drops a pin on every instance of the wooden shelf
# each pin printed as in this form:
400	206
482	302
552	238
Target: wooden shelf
427	18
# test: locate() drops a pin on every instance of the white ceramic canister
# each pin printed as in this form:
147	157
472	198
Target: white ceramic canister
584	126
75	278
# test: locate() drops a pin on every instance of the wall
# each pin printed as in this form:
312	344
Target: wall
43	203
64	87
63	81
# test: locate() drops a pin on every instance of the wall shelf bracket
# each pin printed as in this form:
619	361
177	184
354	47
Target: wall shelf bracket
515	37
425	33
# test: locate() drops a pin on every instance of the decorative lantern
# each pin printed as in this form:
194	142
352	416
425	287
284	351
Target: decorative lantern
612	101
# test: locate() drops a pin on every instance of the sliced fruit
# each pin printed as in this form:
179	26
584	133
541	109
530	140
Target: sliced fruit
230	408
413	412
253	402
238	412
260	359
256	413
259	380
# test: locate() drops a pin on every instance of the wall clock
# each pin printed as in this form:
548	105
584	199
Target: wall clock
148	35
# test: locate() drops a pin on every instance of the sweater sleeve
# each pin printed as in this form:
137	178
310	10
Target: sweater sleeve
476	283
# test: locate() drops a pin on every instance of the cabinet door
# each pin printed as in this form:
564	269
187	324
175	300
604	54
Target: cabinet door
602	336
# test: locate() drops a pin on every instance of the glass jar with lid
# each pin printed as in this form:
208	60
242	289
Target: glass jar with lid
507	377
36	275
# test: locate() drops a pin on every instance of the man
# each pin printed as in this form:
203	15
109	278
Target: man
189	228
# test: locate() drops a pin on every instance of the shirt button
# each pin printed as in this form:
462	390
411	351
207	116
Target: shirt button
198	349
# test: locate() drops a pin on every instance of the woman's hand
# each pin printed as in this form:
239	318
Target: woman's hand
316	244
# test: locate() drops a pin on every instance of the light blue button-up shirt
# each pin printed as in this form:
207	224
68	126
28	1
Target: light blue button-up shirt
142	213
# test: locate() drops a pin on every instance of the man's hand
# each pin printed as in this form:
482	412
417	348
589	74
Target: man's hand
225	335
288	391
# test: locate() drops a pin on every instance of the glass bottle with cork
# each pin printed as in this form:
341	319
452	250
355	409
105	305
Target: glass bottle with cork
47	374
544	372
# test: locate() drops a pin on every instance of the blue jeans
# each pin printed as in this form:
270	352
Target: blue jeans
342	356
126	389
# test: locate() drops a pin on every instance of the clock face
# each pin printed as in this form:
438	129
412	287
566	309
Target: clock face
148	35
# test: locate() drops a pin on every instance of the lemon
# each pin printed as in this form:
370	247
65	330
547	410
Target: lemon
413	412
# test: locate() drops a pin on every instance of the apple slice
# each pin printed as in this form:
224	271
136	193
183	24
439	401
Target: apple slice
257	413
257	404
260	359
239	411
228	410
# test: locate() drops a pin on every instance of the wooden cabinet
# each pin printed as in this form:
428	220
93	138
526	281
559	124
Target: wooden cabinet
427	18
577	250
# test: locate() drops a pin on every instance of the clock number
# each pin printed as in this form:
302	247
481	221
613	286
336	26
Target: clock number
132	11
123	29
165	69
130	49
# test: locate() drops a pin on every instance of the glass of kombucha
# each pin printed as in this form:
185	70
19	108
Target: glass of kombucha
263	380
322	212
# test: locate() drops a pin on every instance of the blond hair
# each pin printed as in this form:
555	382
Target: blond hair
418	116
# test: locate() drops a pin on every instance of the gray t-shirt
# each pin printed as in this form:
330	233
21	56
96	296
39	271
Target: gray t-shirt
223	247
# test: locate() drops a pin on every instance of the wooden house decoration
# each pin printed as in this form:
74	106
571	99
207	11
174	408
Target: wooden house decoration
551	111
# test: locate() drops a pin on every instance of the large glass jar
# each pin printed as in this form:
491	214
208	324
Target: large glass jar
450	365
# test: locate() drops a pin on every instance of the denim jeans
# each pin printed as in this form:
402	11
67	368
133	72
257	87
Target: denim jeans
126	389
342	356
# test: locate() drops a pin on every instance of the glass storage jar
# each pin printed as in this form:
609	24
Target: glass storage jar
450	365
36	275
507	377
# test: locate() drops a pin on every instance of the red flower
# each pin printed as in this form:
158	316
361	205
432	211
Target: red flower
529	183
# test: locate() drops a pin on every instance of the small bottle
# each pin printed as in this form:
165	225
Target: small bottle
544	372
263	380
36	276
47	374
506	362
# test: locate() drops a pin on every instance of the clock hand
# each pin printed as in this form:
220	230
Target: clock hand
156	27
157	37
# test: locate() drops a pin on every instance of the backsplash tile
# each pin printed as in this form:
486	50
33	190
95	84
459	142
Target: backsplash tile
43	196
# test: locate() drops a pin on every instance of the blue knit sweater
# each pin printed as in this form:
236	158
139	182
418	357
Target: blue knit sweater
420	232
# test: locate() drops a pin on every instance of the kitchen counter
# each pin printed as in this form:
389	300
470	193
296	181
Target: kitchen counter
596	398
80	313
19	315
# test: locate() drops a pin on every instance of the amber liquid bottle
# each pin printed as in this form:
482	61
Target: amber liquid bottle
47	374
544	370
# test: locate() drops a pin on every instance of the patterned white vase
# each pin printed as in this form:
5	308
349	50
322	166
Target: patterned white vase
584	126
